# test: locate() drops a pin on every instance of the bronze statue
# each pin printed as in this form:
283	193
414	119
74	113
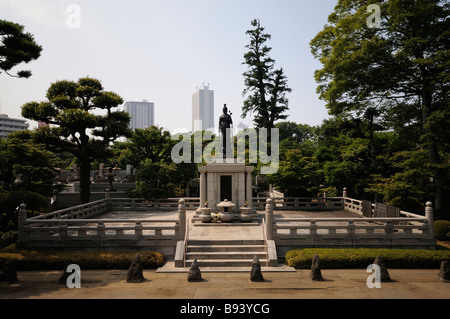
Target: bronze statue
225	122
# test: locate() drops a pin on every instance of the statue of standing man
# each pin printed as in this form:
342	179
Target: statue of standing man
225	123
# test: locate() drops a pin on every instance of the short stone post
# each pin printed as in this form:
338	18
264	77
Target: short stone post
194	272
344	196
135	273
22	220
269	219
316	273
100	230
108	199
444	271
429	217
182	218
138	229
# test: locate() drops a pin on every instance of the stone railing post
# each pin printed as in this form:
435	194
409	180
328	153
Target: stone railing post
429	216
22	220
344	193
101	230
108	199
182	218
138	229
269	219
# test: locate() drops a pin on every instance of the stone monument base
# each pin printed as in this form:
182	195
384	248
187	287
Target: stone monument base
225	179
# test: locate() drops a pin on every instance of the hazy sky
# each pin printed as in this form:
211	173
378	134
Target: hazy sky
162	50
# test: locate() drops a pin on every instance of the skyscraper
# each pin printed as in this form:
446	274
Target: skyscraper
142	114
203	109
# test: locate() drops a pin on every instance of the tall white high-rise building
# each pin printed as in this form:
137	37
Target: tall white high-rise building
142	114
203	109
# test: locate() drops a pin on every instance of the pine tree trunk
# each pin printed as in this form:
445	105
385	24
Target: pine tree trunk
85	171
433	152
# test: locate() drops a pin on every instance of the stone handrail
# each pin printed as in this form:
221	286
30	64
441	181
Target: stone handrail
97	231
359	227
135	204
65	229
299	203
80	211
406	230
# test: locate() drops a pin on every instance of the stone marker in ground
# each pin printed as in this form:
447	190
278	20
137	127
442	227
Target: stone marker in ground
384	276
444	271
316	273
8	272
194	272
256	274
135	274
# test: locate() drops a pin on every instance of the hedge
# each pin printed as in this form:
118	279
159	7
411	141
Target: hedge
57	260
442	229
360	258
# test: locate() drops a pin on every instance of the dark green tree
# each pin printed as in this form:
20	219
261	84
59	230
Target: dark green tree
298	174
84	122
265	87
16	47
404	63
27	175
158	176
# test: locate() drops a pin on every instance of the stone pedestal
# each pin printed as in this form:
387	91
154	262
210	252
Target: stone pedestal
225	178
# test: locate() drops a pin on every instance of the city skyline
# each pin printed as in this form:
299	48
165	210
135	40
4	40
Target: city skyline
162	51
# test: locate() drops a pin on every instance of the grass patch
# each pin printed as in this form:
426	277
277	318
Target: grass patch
57	260
360	258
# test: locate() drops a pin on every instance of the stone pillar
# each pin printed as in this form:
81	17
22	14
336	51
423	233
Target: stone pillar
269	219
182	218
429	216
344	193
202	192
22	220
249	191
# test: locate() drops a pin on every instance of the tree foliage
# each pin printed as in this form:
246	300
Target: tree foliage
84	122
265	86
27	172
149	150
16	47
397	73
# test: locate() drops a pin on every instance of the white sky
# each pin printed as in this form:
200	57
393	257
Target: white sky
162	50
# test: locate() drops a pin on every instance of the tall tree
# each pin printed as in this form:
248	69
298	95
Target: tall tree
74	108
404	61
266	88
16	47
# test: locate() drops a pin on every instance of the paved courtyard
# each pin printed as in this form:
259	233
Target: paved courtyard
338	284
222	285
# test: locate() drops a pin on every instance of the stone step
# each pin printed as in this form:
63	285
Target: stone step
226	255
226	248
224	262
224	242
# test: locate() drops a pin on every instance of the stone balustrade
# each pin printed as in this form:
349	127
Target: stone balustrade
406	230
301	203
69	228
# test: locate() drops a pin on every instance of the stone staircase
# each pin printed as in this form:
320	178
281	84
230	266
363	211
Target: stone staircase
225	253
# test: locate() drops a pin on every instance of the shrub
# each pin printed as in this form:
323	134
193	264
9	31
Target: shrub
56	260
9	238
441	229
360	258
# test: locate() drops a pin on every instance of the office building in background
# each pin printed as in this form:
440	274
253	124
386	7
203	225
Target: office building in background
203	109
9	125
142	114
